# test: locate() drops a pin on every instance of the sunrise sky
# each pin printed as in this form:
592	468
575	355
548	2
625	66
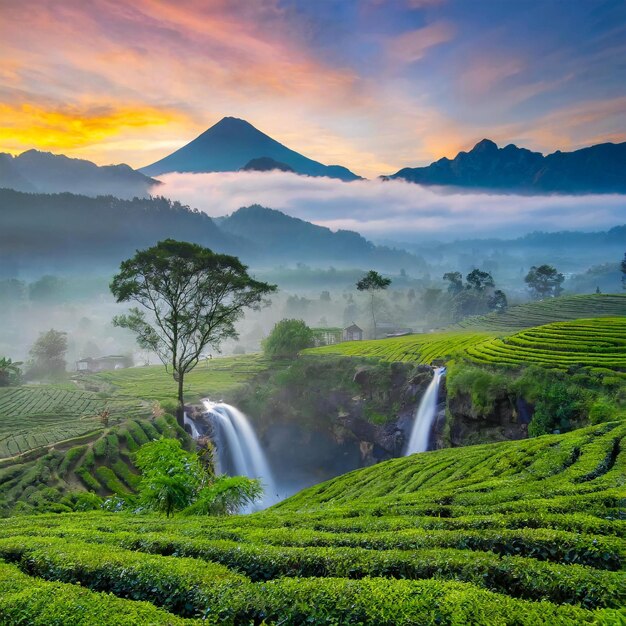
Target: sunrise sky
373	85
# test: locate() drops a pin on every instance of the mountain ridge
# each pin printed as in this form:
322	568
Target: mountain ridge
600	168
36	171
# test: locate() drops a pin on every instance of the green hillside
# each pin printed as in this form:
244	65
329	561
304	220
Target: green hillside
523	532
559	309
594	343
414	348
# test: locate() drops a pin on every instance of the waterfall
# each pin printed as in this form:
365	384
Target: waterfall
195	433
425	416
238	449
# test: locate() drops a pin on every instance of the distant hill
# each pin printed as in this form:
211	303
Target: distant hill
67	232
279	237
56	173
597	169
265	164
231	144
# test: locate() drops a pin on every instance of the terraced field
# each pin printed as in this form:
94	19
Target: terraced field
547	311
99	462
416	348
595	343
523	532
38	415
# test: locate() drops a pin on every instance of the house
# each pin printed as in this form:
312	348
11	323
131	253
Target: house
103	363
353	333
326	336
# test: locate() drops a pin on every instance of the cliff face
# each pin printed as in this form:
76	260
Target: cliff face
507	418
331	415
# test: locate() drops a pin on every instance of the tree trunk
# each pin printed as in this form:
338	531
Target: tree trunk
373	316
180	411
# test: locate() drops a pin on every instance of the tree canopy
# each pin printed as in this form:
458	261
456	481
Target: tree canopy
371	283
192	296
48	353
544	281
287	338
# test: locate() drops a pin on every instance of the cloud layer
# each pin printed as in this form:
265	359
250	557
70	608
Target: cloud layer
394	209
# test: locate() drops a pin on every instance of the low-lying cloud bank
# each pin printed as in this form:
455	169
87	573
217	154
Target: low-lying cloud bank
394	209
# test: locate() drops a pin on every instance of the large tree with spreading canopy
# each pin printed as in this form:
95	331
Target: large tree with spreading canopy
190	299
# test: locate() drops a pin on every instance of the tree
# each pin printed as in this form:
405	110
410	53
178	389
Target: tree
193	297
48	352
455	280
497	301
373	282
479	281
10	372
622	267
544	281
287	338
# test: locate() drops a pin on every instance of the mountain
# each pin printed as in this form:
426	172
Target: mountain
597	169
76	233
231	144
266	164
45	172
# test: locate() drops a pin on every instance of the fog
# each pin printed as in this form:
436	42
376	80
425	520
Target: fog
394	209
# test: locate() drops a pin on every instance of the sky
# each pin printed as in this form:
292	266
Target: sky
374	85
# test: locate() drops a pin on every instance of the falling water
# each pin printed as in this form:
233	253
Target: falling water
425	416
195	433
238	448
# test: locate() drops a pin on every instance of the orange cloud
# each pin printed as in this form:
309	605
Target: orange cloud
65	129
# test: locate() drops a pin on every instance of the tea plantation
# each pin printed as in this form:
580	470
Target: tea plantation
524	532
423	348
593	343
34	416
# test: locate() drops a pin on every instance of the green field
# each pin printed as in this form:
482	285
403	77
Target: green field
594	343
209	378
559	309
35	416
523	532
415	348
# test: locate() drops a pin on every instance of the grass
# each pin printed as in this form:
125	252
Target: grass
593	343
519	532
210	378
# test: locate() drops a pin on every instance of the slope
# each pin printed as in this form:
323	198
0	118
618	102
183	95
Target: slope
519	532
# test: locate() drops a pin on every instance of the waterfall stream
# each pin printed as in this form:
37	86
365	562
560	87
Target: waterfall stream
239	452
425	416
